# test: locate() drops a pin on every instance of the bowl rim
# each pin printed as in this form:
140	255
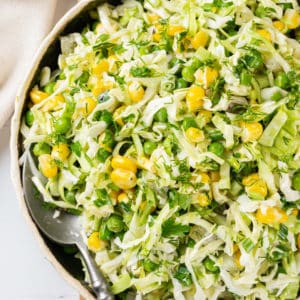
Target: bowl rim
15	173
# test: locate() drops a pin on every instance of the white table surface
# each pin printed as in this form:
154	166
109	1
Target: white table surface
25	274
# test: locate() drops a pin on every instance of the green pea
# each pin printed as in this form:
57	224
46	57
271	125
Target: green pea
49	87
115	223
188	74
29	118
70	197
189	122
216	148
210	265
62	76
282	81
149	147
195	63
216	135
109	138
41	148
161	115
102	155
245	78
149	265
144	50
63	125
296	181
181	83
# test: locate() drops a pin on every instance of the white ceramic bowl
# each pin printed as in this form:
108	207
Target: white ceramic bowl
47	55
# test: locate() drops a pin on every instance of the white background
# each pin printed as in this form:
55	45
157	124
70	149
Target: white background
24	272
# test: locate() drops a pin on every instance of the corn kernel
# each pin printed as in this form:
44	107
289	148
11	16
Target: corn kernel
215	176
298	241
206	76
194	135
117	113
153	18
94	243
237	257
60	152
205	114
37	96
251	132
250	179
101	67
295	212
121	162
258	190
157	35
124	179
265	34
86	106
271	215
292	18
279	25
136	92
200	39
175	29
55	103
194	98
203	200
47	165
123	198
205	177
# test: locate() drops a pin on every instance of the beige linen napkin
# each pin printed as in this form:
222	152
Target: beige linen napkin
23	25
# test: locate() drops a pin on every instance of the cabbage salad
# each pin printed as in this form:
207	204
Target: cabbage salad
172	128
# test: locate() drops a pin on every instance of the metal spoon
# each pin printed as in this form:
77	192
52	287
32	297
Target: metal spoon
65	229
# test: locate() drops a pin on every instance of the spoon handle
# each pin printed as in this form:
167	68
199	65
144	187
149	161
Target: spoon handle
98	282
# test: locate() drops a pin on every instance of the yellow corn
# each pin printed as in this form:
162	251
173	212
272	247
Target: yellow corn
292	18
117	113
205	177
153	18
99	85
200	39
265	34
203	200
94	243
271	215
136	92
295	212
121	162
194	98
101	67
156	37
87	105
205	114
54	103
251	131
215	176
298	241
123	198
175	29
124	179
37	96
194	135
250	179
279	25
47	165
60	152
237	256
206	76
257	190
